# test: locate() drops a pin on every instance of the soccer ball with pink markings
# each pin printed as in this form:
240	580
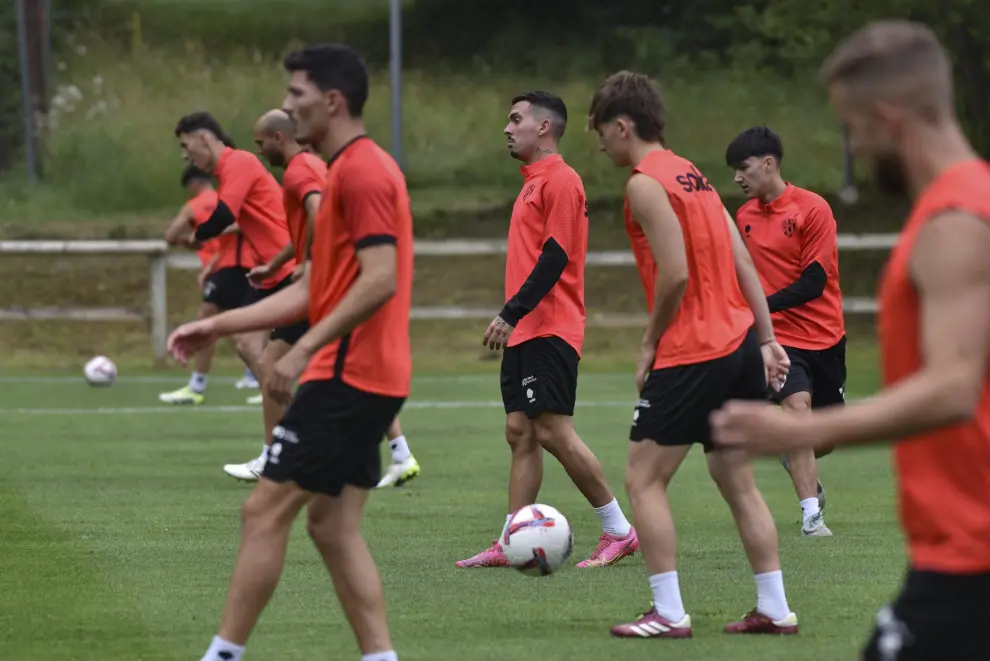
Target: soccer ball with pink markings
100	371
537	541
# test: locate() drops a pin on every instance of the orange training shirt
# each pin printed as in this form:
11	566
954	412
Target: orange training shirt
784	238
551	204
943	475
713	318
305	174
365	203
255	198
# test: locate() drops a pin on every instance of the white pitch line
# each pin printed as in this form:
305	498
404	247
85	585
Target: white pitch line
139	410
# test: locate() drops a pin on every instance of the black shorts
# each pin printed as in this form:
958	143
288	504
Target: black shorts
540	376
329	438
254	294
227	288
820	373
676	401
936	617
290	334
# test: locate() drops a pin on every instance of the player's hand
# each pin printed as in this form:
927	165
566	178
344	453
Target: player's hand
497	335
279	382
760	428
186	340
201	278
299	271
259	274
644	365
776	363
192	243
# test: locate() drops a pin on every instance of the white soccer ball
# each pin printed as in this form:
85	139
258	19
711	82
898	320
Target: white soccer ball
100	371
537	541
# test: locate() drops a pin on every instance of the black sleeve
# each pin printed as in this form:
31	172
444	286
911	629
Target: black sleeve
545	275
219	220
807	288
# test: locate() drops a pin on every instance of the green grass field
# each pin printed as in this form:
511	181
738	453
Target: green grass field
119	534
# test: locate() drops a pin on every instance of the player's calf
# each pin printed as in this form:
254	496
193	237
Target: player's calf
555	433
334	525
733	473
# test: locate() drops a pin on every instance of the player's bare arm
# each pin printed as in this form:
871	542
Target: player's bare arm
261	273
561	211
374	286
952	275
651	208
774	357
312	203
180	227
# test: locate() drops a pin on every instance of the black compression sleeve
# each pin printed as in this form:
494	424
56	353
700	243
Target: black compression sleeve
807	288
545	275
219	220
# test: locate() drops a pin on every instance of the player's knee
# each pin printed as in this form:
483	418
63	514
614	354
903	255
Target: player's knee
797	403
256	511
554	432
519	434
321	530
732	474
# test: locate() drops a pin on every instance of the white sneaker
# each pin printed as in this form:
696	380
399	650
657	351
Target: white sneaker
255	400
815	527
249	472
247	383
400	472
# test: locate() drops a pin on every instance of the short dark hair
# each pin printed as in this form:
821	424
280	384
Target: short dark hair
549	102
635	96
193	173
203	121
333	67
758	141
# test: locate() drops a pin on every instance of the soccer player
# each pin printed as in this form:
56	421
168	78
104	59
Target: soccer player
709	339
221	278
302	185
541	328
355	362
791	236
248	196
891	85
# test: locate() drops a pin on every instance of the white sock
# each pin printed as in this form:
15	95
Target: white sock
613	520
770	599
221	650
400	449
380	656
809	506
197	382
264	452
667	596
248	373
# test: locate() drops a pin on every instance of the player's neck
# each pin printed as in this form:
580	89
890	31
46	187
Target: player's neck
541	153
933	151
291	151
340	135
774	190
640	150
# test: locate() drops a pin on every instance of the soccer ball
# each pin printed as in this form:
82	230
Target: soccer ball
100	371
537	541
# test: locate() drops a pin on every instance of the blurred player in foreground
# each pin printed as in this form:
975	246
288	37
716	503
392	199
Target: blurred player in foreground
221	278
709	339
791	235
354	362
891	85
541	328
